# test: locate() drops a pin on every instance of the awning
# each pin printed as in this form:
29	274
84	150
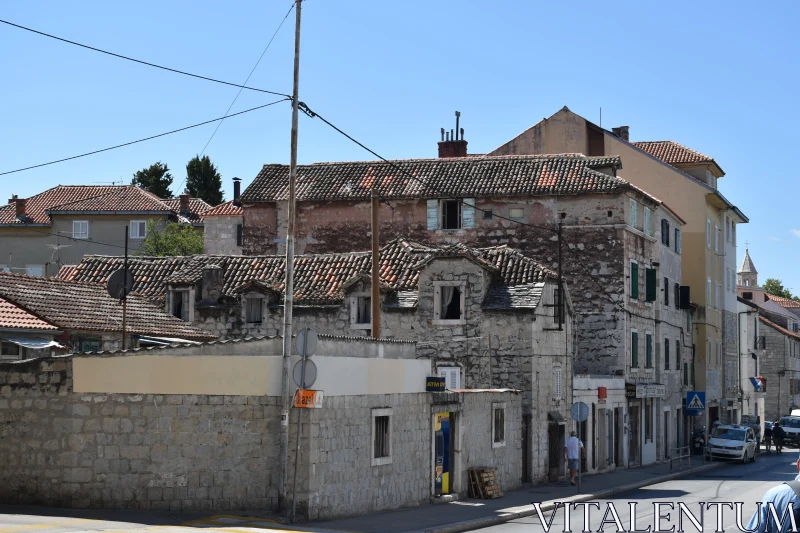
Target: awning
163	341
555	416
33	343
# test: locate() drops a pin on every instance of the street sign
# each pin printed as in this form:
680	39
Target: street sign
307	380
119	285
306	342
580	411
695	401
308	399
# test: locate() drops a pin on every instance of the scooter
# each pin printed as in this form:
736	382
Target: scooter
698	441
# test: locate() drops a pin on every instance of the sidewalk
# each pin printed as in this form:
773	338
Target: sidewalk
470	514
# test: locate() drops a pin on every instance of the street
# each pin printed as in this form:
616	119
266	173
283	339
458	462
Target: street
728	483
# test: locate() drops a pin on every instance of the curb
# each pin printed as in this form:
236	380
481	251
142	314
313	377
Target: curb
479	523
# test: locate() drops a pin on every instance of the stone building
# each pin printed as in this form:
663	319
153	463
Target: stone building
223	226
196	428
486	317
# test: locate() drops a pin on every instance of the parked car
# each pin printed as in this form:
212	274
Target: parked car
732	442
791	426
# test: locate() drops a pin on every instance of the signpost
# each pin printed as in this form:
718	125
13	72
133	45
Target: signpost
305	375
580	413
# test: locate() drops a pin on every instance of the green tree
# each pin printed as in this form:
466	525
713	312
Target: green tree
171	239
203	180
155	179
775	287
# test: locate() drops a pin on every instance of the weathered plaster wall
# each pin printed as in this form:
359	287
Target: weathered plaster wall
260	229
220	235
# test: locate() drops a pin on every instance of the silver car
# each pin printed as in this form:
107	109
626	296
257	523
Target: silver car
732	442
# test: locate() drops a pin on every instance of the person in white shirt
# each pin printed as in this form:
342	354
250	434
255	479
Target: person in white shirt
573	450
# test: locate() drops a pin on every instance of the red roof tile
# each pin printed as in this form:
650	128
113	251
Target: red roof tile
784	302
224	210
673	153
197	209
13	317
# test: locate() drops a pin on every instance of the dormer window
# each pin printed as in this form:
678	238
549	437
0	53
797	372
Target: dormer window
451	214
360	311
254	309
448	302
179	304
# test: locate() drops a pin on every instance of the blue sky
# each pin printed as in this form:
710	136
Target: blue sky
718	77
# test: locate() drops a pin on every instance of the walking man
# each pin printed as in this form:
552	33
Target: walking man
778	435
780	496
573	450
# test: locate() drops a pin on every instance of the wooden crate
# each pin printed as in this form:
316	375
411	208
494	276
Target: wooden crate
483	483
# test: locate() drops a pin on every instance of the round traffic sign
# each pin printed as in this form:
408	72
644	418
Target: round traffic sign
305	381
580	411
306	342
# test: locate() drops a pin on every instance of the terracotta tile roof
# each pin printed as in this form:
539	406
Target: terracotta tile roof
776	327
319	279
13	317
70	305
672	153
528	175
784	302
197	209
224	210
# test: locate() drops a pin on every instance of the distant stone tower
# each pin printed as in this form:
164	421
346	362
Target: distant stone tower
747	275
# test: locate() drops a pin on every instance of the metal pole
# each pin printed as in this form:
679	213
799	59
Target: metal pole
560	284
289	284
299	425
376	293
125	294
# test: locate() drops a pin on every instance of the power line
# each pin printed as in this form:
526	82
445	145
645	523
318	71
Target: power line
142	140
140	61
241	88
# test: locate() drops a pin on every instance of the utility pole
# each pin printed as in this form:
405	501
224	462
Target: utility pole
125	294
376	293
289	285
560	284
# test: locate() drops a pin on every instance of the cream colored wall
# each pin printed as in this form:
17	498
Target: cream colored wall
243	375
564	132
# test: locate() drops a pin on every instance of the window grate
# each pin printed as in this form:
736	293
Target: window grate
382	436
499	425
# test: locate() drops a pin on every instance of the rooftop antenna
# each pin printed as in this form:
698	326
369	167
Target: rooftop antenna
458	116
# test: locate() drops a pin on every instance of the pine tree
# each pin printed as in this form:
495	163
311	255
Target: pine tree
203	180
155	179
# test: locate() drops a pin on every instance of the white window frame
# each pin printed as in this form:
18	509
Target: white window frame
558	383
719	287
136	224
677	240
172	293
709	295
647	222
716	238
354	324
709	354
437	302
708	233
511	211
35	266
495	407
380	461
9	356
77	233
247	300
633	213
451	375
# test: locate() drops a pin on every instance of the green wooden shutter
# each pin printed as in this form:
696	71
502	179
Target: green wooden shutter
649	350
666	354
650	284
634	281
634	350
433	214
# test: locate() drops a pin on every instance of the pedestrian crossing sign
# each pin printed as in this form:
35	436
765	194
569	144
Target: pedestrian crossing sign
695	400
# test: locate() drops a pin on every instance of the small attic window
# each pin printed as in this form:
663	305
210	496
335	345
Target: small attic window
487	214
563	215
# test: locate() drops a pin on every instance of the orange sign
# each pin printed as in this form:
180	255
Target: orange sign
308	399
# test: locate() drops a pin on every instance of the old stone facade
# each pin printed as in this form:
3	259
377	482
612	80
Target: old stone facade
221	234
780	366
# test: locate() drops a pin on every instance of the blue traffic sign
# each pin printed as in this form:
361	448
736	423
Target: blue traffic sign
695	401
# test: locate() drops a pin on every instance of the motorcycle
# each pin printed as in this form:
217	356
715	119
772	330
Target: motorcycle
698	441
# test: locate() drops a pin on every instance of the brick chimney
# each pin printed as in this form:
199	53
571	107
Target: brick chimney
184	204
453	144
20	207
13	199
237	190
621	132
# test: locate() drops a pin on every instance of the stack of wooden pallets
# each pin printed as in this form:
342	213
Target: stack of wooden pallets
483	483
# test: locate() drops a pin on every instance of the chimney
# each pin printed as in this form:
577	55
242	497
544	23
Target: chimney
13	199
453	143
237	190
20	206
184	204
621	132
213	282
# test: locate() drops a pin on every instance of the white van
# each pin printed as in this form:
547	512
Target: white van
795	412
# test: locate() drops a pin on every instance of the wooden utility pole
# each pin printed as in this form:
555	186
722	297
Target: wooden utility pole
125	295
376	265
289	285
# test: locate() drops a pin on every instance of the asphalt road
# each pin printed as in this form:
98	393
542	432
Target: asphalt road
729	483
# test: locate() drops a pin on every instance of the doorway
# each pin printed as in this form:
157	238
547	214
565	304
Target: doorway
555	455
619	431
443	438
634	453
667	451
603	434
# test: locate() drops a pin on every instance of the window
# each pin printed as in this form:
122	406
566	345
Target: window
709	354
716	238
647	221
747	295
35	270
451	214
666	354
448	302
717	355
87	344
487	214
634	349
254	310
179	304
516	212
709	300
664	232
239	234
138	229
363	310
80	229
666	291
381	437
719	289
9	350
708	233
686	374
558	383
651	284
633	213
677	241
648	350
498	425
677	354
634	281
648	419
452	377
733	232
677	296
557	307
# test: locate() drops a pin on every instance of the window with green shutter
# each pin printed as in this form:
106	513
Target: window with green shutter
634	281
649	350
666	354
686	374
651	284
634	349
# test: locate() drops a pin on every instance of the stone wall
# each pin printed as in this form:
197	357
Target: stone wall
220	235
